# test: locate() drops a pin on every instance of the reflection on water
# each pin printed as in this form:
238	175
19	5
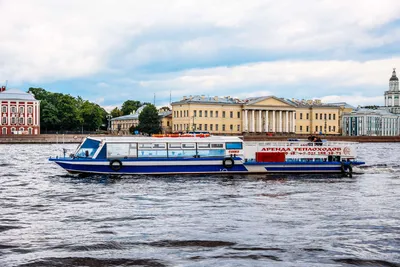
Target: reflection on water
50	218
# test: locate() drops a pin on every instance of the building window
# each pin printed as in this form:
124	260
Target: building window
29	130
329	128
211	127
238	127
320	128
223	114
180	114
211	113
4	131
301	116
307	129
334	127
330	117
316	128
4	120
13	120
334	116
200	126
216	114
13	109
4	109
316	116
30	110
301	128
194	113
205	127
320	116
12	130
205	113
238	114
223	127
21	120
216	126
31	122
231	127
200	113
308	116
231	114
325	116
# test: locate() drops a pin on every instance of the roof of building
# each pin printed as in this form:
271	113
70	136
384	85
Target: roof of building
16	94
394	77
381	111
254	100
135	116
208	99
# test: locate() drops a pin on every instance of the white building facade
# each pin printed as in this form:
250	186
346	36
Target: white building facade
381	121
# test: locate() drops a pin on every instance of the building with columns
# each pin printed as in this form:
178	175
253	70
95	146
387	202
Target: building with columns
19	112
268	114
376	121
255	115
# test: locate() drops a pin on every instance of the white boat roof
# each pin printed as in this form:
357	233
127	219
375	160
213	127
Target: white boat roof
144	139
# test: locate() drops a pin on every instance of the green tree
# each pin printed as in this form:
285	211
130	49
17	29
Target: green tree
130	105
116	112
149	121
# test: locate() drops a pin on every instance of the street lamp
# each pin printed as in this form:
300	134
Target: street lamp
108	123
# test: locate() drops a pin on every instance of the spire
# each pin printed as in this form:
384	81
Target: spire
394	77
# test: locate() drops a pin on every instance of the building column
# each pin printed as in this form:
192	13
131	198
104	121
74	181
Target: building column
280	125
260	120
245	122
266	121
287	121
253	121
294	121
392	100
273	121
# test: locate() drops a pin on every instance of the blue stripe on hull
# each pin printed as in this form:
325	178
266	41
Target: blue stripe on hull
171	169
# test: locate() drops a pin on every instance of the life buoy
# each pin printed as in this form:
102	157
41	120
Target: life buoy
115	164
228	163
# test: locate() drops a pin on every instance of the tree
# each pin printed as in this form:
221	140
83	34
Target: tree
116	112
130	105
149	121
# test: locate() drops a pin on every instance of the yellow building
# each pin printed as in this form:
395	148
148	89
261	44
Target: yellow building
314	117
207	114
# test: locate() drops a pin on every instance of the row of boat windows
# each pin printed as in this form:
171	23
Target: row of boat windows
164	149
204	113
14	109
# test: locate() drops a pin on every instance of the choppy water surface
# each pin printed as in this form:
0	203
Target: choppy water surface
48	218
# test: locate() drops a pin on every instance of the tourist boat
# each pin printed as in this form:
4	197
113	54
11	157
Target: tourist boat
206	155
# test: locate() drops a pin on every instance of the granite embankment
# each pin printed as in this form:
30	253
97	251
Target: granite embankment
77	138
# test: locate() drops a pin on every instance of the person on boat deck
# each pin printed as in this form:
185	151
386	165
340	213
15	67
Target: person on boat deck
317	141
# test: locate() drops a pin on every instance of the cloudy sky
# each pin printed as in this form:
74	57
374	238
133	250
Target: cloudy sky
112	51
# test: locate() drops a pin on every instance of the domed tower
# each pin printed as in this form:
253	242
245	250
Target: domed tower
392	96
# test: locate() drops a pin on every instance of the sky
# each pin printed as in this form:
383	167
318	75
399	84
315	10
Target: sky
110	51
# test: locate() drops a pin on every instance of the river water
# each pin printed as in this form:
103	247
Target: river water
49	218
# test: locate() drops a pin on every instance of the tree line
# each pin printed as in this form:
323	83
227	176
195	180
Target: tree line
65	113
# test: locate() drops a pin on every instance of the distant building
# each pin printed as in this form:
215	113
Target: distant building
19	112
122	124
376	121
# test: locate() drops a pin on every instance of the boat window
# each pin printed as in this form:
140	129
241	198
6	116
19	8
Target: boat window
174	145
188	145
211	153
152	153
145	145
181	153
203	145
121	150
234	145
159	145
217	145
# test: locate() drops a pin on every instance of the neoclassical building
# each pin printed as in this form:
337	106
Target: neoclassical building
376	121
19	112
256	115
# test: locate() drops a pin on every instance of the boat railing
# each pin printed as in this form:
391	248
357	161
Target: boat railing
299	143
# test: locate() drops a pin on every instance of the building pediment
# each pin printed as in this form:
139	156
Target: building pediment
270	101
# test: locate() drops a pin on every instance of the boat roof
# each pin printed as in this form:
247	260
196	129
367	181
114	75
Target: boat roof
119	139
